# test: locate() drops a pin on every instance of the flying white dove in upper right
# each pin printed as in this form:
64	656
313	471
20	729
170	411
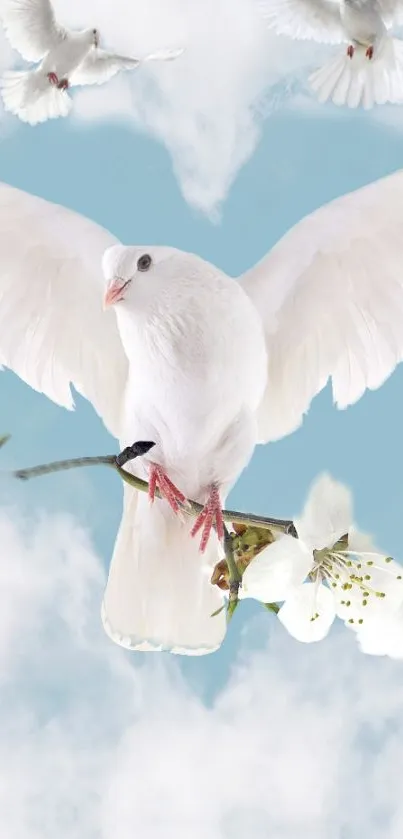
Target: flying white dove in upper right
66	59
371	70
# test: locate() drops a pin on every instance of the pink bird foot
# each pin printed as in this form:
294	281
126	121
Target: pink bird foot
159	479
63	84
350	51
210	516
370	53
53	79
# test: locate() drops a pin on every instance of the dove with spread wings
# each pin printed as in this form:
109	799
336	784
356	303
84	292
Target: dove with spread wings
66	59
370	72
170	349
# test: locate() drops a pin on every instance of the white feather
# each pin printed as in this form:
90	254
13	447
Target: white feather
358	81
29	96
31	27
158	597
99	66
306	20
331	298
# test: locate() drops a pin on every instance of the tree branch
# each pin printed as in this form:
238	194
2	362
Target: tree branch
194	508
252	532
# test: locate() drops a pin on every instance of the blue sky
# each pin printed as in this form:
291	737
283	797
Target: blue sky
322	711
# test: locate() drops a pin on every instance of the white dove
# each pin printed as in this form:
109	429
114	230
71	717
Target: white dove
201	364
66	59
370	72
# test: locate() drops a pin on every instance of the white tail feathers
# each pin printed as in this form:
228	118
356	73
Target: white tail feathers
32	98
359	81
158	595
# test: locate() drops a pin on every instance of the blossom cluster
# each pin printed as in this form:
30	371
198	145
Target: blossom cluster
331	571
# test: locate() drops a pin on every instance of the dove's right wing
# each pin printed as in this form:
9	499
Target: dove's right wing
304	20
99	66
31	27
53	330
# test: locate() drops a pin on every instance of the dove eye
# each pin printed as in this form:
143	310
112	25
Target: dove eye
144	263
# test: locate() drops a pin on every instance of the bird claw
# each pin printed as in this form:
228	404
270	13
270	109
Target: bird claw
370	53
158	479
63	84
131	452
350	51
53	78
210	516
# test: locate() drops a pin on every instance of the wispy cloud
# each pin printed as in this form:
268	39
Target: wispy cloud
303	741
202	106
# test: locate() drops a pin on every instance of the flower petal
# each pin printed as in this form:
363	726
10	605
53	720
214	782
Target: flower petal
309	612
378	592
327	514
360	542
277	570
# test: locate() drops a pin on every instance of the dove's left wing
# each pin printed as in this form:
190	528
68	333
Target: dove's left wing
100	66
330	294
31	27
304	20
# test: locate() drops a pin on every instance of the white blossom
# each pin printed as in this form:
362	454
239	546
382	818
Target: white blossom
331	570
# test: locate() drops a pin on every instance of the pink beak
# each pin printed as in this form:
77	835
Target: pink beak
114	293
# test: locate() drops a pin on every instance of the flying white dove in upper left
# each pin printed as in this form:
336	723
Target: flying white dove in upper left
66	59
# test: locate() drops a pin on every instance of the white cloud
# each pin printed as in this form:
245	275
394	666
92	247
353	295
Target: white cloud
202	106
95	742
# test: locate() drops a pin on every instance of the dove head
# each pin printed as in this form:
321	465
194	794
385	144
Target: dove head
137	274
92	36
